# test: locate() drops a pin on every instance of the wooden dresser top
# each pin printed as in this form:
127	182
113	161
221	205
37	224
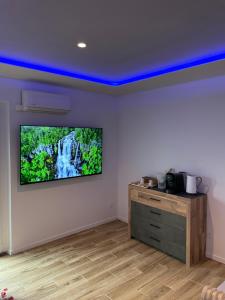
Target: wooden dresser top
154	191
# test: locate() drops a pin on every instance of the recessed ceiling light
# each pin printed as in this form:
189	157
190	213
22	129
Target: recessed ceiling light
81	45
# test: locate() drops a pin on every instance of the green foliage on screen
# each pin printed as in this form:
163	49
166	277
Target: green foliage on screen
37	170
39	151
91	152
33	136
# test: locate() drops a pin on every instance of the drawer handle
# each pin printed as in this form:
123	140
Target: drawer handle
154	239
155	199
155	213
155	226
148	197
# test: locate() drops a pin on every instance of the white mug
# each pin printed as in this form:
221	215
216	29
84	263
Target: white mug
193	183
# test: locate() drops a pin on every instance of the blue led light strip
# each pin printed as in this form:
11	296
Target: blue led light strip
174	68
56	71
155	73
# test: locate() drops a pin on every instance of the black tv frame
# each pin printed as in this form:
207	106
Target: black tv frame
66	178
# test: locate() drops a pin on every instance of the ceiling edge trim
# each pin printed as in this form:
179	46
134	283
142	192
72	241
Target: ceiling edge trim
129	80
55	71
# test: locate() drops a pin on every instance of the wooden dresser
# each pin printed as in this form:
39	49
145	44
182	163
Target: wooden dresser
174	224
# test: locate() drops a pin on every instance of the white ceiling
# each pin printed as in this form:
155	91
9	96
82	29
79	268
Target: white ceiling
125	37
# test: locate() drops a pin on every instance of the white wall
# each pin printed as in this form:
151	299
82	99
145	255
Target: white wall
4	176
45	211
181	127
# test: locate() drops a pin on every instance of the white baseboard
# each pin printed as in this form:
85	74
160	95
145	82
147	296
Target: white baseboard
61	235
123	219
215	257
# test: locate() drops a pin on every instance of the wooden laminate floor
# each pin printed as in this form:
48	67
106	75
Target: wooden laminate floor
103	264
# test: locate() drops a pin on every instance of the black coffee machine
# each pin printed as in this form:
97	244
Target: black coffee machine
175	183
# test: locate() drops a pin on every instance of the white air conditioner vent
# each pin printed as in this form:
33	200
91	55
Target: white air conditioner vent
36	101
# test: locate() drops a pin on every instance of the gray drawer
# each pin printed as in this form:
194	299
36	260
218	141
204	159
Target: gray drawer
175	250
155	215
140	211
160	229
174	235
174	220
153	241
146	236
145	226
162	216
144	211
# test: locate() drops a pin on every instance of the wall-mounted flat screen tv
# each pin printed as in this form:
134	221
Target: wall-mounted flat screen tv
53	153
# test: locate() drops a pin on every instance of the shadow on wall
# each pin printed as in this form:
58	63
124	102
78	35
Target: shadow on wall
208	187
59	183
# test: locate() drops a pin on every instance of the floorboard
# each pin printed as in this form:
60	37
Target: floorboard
103	264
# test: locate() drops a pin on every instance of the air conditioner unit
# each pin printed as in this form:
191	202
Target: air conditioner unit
35	101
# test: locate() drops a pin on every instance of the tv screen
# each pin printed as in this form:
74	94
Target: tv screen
53	153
